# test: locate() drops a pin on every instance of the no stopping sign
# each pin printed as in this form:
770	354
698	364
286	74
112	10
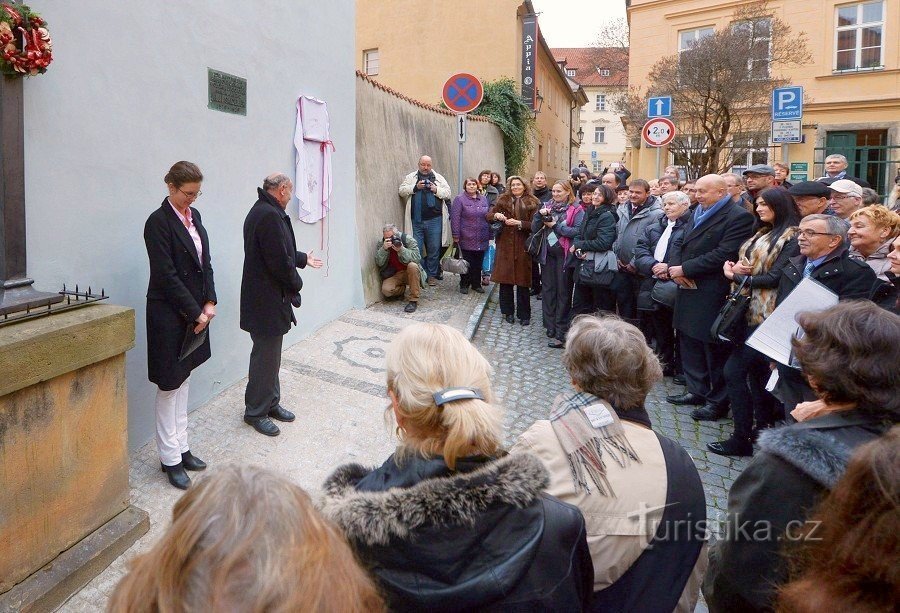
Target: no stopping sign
658	132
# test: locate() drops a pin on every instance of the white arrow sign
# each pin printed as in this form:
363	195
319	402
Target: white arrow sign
461	127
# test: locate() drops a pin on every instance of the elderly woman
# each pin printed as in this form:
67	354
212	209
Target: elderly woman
651	258
561	217
762	259
849	353
514	209
246	539
604	458
872	229
471	232
448	522
181	301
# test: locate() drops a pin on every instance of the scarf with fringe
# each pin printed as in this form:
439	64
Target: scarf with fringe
586	427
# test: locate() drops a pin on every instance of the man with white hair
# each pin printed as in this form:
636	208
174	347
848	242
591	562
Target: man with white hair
836	168
427	217
846	198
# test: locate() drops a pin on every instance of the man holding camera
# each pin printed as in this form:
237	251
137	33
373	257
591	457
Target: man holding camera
427	217
398	261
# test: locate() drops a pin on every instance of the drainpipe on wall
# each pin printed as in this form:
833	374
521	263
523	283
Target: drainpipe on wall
571	110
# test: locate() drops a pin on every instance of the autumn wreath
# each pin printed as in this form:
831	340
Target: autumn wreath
25	45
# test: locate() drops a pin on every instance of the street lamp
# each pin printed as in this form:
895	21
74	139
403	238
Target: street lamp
540	102
580	135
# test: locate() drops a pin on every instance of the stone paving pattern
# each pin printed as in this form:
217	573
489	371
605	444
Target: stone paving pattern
334	381
529	375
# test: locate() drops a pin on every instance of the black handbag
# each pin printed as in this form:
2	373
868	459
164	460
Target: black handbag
664	292
534	244
590	276
731	322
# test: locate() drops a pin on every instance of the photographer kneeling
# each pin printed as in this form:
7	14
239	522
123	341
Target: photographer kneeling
398	261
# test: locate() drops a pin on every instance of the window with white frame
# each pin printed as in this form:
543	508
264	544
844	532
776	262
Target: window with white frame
570	72
597	166
750	149
688	38
859	36
759	46
599	134
370	61
604	72
601	102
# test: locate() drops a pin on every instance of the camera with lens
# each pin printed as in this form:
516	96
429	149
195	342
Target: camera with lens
426	183
547	218
396	242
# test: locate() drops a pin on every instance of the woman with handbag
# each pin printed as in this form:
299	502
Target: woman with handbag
512	267
597	235
181	300
762	259
556	224
651	258
471	233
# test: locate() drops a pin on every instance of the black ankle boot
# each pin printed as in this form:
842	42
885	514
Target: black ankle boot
192	462
177	476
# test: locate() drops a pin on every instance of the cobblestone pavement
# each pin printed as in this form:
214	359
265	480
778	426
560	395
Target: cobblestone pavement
334	380
529	375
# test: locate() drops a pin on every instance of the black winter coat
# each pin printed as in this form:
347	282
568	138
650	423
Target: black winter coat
270	281
848	278
701	253
796	467
180	284
483	537
887	294
598	228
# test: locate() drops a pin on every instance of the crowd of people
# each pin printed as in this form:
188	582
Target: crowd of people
589	509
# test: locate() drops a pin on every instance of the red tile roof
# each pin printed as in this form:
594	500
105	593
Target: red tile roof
588	61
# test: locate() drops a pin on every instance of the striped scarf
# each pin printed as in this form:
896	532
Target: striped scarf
586	427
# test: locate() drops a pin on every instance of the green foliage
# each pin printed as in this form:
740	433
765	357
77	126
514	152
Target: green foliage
504	105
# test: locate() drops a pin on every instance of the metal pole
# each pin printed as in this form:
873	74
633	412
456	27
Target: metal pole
459	174
658	173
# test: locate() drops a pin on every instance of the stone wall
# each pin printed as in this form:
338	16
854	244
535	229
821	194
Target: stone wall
392	132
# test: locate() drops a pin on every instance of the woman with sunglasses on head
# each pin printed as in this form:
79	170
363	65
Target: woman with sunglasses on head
181	301
762	258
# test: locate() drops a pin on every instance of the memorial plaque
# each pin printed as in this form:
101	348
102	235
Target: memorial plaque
227	93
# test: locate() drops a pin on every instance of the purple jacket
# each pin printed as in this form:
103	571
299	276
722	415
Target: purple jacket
468	223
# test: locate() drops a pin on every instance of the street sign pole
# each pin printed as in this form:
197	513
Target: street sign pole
461	137
658	174
462	93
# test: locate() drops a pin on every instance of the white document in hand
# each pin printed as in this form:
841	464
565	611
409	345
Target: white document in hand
773	337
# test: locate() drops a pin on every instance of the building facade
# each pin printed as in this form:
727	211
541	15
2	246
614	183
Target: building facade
603	74
851	86
414	52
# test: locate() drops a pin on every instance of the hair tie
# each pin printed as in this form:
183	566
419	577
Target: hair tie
450	394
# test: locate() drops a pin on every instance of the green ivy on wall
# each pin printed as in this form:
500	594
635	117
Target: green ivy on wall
504	105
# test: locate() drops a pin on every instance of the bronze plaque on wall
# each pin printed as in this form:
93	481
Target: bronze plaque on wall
227	93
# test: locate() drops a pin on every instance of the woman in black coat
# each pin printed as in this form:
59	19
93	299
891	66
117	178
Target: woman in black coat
598	233
450	522
181	300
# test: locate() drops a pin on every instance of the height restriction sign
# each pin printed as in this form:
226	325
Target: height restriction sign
658	132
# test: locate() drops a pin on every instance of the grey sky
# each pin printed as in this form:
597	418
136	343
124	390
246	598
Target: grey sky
575	23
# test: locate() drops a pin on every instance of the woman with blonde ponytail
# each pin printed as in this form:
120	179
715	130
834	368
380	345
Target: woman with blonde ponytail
450	521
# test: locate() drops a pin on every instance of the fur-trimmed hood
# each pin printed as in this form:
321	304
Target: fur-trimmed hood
376	517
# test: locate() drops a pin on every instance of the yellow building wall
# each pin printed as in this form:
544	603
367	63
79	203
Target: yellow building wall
848	101
421	44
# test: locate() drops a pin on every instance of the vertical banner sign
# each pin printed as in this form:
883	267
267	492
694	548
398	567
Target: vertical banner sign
529	59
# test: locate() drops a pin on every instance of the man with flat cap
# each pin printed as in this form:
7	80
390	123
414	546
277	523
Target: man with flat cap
270	288
758	177
811	198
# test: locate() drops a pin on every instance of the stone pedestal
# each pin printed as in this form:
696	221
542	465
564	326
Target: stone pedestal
64	502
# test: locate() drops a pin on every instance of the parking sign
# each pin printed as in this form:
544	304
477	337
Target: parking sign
787	103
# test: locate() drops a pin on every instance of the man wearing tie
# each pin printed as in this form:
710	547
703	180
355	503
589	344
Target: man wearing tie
270	288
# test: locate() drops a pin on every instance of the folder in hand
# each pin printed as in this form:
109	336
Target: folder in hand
192	341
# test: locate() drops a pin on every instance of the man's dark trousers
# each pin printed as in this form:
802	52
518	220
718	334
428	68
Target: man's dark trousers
704	369
263	392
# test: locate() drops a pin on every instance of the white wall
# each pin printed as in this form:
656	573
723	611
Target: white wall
126	97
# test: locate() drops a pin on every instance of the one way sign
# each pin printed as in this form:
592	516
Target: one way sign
660	106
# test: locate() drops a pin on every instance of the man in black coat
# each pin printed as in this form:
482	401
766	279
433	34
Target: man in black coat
714	233
270	287
824	256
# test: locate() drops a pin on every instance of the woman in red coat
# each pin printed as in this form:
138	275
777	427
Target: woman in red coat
512	267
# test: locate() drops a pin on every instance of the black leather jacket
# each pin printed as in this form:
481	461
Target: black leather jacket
483	537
